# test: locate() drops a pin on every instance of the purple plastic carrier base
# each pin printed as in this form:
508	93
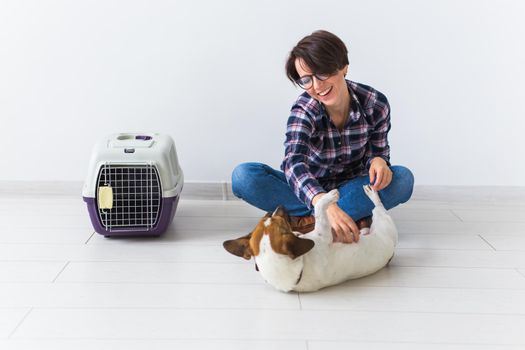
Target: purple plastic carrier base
167	212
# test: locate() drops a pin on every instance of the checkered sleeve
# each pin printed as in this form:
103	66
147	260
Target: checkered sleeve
378	138
297	148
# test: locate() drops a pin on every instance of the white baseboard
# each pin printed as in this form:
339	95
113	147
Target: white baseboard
223	191
40	188
191	189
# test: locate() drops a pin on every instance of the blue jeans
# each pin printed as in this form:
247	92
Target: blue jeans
267	188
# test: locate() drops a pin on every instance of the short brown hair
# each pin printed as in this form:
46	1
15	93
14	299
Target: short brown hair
322	51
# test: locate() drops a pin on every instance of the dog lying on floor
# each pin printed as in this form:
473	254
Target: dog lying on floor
309	262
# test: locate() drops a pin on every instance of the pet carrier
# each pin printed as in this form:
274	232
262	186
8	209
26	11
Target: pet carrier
133	184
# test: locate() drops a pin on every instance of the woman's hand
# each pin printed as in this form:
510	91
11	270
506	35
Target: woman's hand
344	229
380	174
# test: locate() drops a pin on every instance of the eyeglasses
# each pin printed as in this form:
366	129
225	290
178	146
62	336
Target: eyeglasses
307	81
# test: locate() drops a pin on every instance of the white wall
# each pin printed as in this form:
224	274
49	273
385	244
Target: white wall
210	73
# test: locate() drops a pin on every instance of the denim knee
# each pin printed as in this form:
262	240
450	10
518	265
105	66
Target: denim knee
405	182
242	176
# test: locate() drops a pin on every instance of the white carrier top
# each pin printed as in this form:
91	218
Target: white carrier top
135	149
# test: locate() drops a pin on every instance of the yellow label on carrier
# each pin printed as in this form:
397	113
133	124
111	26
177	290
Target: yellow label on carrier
105	197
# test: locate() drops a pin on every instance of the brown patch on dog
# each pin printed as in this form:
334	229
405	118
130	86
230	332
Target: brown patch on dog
239	247
282	239
242	246
256	237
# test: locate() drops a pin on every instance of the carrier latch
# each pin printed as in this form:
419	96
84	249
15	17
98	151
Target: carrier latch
105	197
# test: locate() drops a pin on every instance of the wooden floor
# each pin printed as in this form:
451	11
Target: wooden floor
457	281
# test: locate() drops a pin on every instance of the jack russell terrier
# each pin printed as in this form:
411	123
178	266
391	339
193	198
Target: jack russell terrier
313	261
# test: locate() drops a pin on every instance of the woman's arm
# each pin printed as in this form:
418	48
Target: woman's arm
377	159
300	128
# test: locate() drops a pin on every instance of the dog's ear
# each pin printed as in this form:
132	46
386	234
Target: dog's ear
295	247
239	247
280	211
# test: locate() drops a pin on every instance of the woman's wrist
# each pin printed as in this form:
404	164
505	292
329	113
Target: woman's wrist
377	159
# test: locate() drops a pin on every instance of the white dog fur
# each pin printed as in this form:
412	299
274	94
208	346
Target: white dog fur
312	261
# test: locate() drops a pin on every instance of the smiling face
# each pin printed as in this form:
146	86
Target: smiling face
332	92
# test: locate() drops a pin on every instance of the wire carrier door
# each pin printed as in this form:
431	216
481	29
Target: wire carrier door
128	196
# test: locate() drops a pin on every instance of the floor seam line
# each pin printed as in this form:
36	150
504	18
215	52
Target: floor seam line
60	272
484	240
20	323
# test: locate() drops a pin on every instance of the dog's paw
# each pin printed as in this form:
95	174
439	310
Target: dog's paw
326	200
368	189
334	193
364	231
332	196
372	194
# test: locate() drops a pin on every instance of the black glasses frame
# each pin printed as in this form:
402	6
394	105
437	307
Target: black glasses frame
306	81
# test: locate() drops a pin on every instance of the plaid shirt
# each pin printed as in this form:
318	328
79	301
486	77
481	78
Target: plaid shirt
318	157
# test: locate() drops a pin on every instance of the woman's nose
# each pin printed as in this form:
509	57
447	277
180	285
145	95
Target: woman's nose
316	83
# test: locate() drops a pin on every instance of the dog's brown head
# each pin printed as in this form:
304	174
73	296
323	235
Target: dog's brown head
282	240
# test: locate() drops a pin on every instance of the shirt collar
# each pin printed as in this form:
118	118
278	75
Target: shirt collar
356	110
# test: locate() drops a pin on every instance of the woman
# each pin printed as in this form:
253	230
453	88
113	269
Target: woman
336	137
